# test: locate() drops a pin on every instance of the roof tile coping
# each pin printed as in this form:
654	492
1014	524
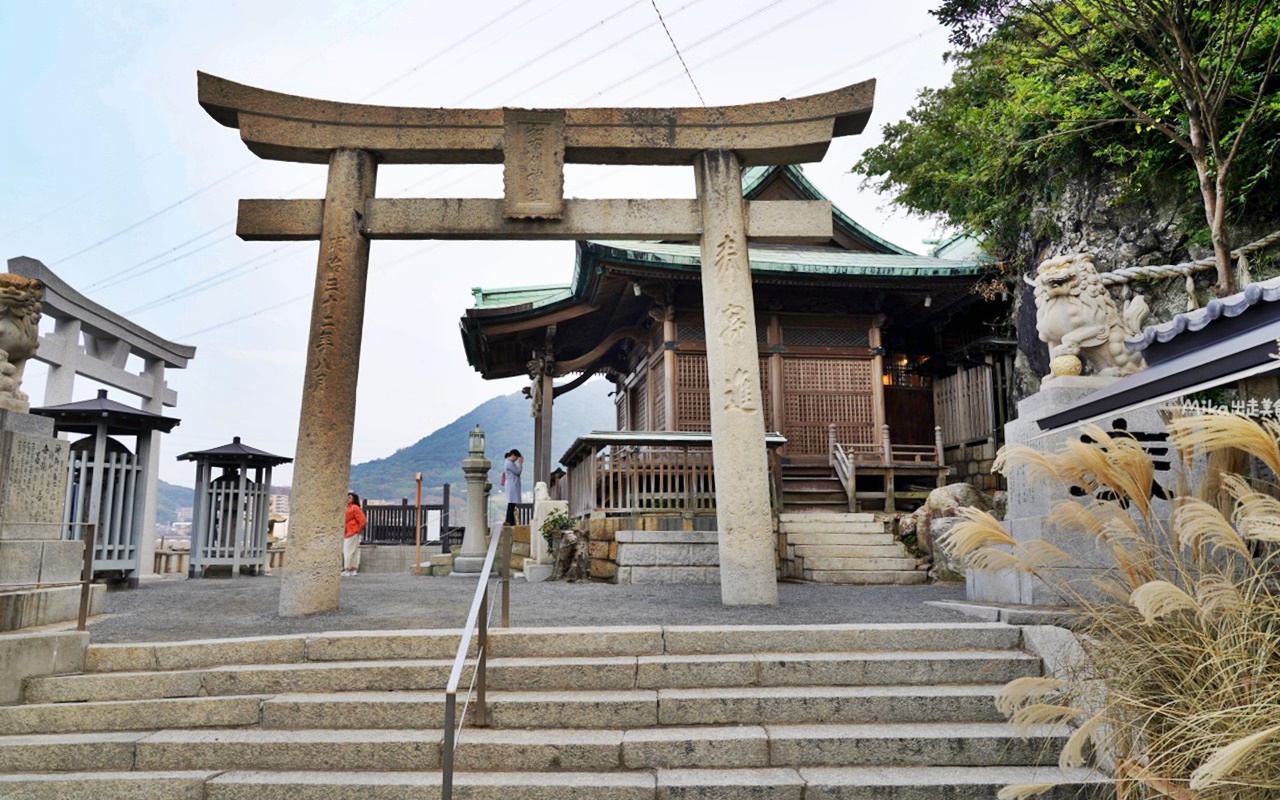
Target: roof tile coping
1230	306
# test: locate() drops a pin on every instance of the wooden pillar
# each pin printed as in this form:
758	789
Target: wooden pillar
322	468
877	377
542	432
747	574
669	368
775	374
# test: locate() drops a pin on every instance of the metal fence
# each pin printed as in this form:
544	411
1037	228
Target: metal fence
394	524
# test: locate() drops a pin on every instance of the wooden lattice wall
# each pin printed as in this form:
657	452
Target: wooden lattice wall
821	391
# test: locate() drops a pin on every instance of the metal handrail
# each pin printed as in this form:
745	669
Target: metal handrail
477	617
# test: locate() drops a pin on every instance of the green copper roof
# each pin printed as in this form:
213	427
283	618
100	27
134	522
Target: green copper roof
790	259
518	295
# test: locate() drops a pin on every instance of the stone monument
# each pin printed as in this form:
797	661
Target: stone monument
1077	317
1085	330
19	336
39	571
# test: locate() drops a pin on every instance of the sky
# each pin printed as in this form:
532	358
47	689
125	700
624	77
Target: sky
114	177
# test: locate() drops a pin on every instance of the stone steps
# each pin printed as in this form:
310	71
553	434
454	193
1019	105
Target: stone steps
499	750
815	539
867	578
587	672
881	712
852	549
809	783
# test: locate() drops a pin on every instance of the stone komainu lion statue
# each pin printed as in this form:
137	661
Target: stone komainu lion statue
19	335
1077	317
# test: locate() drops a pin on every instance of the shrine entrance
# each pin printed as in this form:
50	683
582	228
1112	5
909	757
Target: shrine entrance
533	146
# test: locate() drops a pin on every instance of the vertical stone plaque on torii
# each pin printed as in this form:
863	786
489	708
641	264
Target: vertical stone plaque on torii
533	147
532	164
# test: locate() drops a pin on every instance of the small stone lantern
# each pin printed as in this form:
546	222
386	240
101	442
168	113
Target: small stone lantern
475	443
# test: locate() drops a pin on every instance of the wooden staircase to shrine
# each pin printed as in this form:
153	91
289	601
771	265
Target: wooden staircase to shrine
813	488
845	712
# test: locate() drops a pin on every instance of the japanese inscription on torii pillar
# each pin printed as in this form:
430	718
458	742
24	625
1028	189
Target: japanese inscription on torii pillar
533	147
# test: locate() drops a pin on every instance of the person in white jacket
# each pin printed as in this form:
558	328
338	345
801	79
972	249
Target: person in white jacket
510	481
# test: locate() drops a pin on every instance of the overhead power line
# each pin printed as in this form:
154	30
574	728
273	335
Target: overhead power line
676	47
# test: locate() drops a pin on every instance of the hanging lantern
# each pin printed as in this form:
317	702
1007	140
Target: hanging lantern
475	441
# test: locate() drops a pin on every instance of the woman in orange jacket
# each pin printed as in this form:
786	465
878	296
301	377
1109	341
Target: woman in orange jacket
351	536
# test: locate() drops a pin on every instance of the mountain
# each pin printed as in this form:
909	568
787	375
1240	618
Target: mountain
506	424
170	498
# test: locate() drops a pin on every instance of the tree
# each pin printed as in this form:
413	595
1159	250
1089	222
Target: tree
1199	73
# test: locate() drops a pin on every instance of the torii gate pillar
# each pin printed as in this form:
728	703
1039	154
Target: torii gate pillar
533	146
747	572
309	583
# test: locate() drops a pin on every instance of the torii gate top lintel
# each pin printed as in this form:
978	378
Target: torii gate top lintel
286	127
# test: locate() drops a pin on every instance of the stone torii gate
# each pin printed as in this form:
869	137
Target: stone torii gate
533	147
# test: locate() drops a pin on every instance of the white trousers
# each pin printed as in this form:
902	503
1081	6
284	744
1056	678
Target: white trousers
351	552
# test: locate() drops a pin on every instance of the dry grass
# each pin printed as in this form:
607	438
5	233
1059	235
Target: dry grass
1180	685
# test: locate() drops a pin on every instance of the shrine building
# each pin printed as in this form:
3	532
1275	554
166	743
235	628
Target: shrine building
885	372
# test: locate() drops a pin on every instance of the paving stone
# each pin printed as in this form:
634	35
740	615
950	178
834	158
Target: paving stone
730	784
68	752
575	750
131	715
581	709
311	750
347	710
831	704
105	786
700	747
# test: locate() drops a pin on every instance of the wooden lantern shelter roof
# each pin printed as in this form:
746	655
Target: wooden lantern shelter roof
616	283
83	416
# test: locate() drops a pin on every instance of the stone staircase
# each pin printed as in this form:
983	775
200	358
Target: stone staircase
831	547
891	712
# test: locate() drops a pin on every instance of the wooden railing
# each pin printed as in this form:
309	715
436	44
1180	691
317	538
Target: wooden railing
394	524
886	459
629	472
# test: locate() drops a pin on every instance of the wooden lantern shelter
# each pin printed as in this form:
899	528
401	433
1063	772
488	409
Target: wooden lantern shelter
106	481
230	520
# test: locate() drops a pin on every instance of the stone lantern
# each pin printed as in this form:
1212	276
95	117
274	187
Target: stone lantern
106	481
229	523
476	469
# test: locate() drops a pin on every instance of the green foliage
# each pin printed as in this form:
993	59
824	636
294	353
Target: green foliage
556	521
1021	120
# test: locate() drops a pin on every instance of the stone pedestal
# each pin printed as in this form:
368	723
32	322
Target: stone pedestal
33	480
1031	503
471	559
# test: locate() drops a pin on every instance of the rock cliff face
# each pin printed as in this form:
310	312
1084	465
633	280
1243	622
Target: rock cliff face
1093	215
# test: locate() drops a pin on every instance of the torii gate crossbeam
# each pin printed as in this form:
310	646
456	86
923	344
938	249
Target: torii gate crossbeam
533	146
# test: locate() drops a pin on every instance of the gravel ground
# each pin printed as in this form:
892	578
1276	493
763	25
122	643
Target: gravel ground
171	610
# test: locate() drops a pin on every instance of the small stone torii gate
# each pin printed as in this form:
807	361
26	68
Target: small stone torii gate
533	147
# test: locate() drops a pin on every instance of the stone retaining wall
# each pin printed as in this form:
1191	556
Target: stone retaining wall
972	464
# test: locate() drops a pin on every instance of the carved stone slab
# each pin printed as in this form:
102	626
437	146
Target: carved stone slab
33	480
533	164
